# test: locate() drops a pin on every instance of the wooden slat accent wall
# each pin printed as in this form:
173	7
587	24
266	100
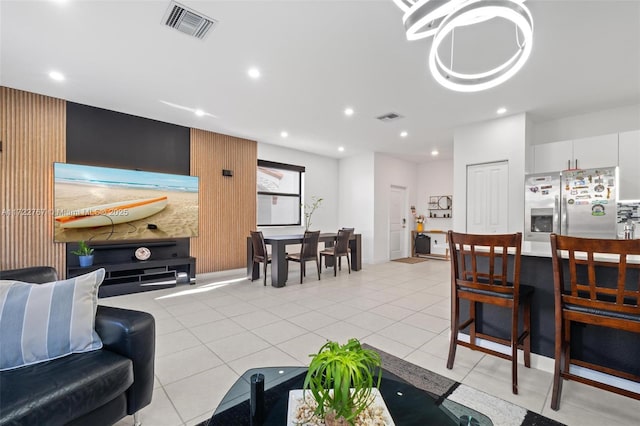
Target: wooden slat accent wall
33	133
227	204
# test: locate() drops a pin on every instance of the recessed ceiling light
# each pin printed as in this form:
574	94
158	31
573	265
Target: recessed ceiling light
348	111
501	110
284	134
57	76
254	73
341	148
434	152
196	111
404	134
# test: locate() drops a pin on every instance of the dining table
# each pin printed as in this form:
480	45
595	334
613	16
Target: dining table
279	243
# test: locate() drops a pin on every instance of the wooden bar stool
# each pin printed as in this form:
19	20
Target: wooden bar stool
482	273
584	294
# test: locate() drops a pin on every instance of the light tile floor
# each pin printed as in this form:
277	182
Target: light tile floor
210	333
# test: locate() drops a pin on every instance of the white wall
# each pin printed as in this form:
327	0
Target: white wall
434	178
615	120
389	172
356	199
486	142
321	180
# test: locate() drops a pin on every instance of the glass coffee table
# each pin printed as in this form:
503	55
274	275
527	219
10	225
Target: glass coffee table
408	405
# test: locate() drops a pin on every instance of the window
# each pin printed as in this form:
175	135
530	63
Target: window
279	194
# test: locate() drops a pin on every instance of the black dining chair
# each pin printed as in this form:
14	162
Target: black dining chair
340	249
308	252
260	254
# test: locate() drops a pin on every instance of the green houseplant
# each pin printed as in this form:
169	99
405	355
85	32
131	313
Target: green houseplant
84	253
309	209
340	378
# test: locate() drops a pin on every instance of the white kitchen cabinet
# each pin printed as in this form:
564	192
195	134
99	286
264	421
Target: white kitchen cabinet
584	153
597	151
629	159
552	157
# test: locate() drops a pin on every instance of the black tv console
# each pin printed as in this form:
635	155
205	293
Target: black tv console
168	266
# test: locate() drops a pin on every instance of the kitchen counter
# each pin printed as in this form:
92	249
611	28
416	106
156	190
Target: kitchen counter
604	346
540	249
535	248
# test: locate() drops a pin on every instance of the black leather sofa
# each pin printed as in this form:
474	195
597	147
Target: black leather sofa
93	388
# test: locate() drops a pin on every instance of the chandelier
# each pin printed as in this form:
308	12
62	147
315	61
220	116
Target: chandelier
439	18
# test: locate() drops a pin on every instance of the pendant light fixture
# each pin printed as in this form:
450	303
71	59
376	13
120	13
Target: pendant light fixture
439	18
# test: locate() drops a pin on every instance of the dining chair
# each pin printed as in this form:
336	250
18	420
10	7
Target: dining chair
595	282
308	252
485	269
340	249
260	254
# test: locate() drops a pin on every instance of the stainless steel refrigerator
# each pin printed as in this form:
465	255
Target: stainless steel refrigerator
580	203
589	205
542	206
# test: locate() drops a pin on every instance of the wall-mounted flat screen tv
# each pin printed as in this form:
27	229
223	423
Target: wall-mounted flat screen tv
104	204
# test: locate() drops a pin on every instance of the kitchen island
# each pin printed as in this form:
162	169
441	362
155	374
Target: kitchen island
604	346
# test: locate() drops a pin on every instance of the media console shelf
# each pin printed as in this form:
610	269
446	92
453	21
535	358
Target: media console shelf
169	264
137	276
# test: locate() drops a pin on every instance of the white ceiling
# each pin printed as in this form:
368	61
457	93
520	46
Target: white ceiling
316	58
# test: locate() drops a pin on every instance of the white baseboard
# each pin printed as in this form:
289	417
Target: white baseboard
544	363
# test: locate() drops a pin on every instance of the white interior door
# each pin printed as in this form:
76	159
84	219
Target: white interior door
397	220
487	198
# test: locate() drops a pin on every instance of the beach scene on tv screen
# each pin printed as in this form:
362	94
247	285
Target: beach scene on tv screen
104	204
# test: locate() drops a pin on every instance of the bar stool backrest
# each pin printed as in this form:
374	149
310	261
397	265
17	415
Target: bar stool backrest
481	262
606	288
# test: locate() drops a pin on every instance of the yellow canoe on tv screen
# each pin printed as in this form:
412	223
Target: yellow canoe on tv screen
113	213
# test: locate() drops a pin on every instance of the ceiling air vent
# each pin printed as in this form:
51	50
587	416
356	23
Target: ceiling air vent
188	21
386	118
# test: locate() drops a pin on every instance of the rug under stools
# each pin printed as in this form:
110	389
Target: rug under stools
501	413
410	260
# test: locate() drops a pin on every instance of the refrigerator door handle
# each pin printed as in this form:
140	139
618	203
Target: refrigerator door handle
564	221
556	214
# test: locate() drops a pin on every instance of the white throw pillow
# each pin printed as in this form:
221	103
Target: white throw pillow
40	322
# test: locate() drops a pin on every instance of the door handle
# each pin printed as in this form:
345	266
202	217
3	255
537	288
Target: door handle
564	224
556	214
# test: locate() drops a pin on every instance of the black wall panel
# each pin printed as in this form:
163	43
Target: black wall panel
106	138
100	137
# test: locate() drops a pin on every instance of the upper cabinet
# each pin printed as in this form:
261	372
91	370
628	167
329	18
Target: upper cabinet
552	157
585	153
594	152
629	159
